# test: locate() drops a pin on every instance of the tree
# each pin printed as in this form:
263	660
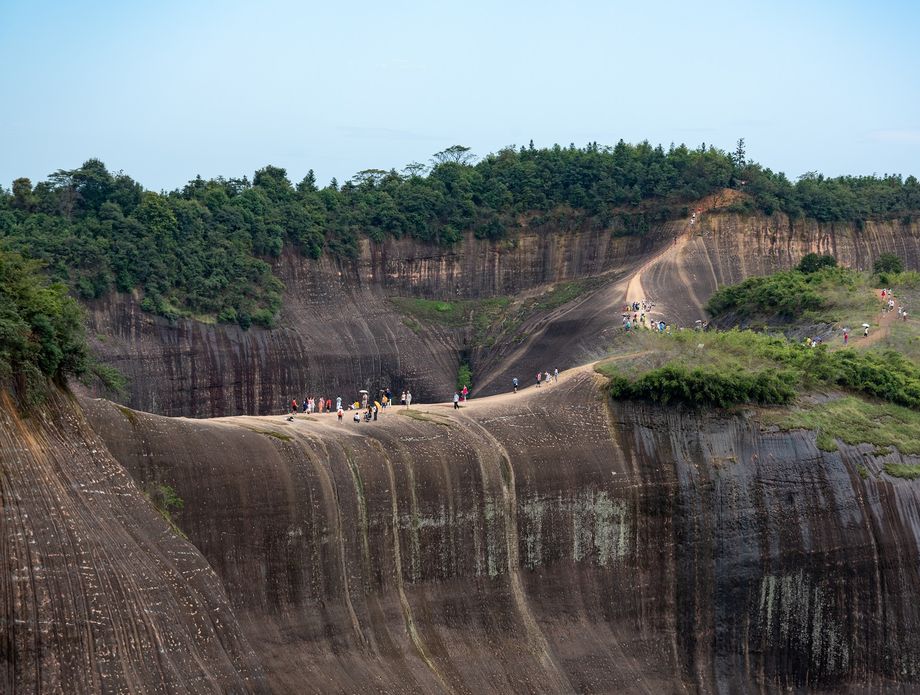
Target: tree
22	194
308	184
739	158
456	154
812	263
414	169
888	263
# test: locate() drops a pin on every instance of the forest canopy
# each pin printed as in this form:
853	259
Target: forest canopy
206	249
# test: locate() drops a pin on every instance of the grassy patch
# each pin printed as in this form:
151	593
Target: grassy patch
855	421
731	367
863	471
830	295
903	470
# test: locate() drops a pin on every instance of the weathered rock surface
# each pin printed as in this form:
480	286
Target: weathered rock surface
546	542
338	331
99	594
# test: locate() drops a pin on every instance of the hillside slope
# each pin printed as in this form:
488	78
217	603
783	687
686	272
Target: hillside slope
549	540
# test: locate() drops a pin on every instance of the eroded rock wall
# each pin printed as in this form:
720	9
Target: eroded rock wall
99	594
546	542
337	331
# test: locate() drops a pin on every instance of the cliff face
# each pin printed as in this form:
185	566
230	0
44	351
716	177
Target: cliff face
338	331
99	594
546	541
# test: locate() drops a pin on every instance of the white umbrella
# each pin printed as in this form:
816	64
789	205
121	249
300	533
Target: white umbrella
865	325
363	391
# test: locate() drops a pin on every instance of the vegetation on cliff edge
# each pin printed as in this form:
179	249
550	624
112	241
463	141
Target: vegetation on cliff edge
205	250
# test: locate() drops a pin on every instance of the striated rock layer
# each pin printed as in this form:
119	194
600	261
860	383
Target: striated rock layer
99	594
338	331
548	541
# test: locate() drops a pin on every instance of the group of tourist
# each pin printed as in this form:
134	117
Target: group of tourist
890	305
364	408
637	315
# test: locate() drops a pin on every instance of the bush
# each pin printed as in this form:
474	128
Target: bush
812	263
705	387
464	376
786	294
888	263
747	367
41	328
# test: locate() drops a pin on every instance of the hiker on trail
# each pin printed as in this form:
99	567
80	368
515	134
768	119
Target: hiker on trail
307	404
464	393
865	331
340	414
402	398
846	338
555	375
545	377
329	404
539	377
408	398
514	384
357	417
376	410
293	405
456	401
338	403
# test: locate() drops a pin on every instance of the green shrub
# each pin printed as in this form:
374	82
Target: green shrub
464	376
812	262
888	263
704	387
41	328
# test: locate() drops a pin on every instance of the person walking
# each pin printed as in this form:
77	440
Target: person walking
408	398
555	376
539	377
846	338
464	393
865	331
402	398
338	402
514	384
456	401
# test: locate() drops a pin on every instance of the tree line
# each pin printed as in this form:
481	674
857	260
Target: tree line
206	249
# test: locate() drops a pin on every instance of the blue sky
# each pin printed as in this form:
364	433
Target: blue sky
168	90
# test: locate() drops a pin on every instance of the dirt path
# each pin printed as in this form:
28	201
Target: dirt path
884	324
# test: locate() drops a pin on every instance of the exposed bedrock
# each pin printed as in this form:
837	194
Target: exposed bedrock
99	594
337	331
549	541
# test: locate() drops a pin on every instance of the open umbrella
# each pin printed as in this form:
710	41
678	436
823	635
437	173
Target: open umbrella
865	325
363	391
